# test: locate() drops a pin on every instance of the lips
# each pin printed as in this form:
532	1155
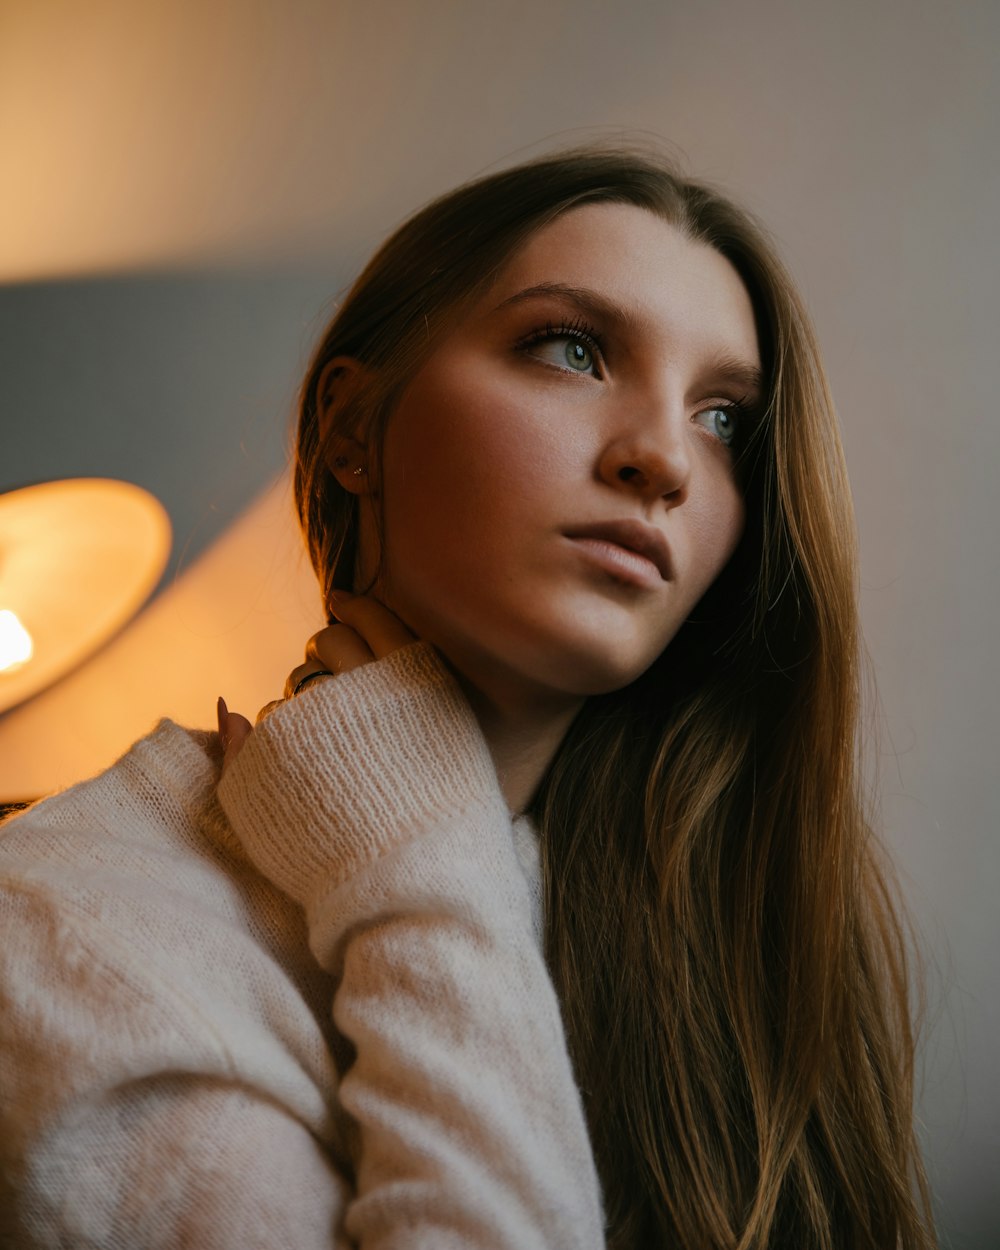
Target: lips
644	540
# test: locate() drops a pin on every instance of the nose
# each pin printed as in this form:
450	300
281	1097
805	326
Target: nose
648	454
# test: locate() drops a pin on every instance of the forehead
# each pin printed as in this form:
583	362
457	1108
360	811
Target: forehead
665	282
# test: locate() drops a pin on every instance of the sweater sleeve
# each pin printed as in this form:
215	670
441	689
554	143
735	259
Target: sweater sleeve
372	801
165	1080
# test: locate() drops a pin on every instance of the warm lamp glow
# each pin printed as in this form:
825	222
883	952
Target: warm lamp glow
233	622
77	559
16	646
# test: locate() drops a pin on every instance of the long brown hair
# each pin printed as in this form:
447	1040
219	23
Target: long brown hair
729	958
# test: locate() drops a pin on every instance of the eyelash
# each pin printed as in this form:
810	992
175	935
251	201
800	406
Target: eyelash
580	330
746	410
747	413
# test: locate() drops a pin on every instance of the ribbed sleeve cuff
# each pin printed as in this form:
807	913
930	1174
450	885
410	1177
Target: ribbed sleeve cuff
354	766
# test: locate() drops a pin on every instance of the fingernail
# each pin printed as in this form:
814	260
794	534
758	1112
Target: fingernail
338	599
223	714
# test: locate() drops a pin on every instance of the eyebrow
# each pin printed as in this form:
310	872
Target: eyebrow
725	367
739	372
582	297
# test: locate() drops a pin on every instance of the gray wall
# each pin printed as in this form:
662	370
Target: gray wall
289	138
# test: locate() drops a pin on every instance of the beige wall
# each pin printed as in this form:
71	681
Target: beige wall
137	137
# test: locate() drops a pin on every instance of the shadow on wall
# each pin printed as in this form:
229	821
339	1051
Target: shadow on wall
182	383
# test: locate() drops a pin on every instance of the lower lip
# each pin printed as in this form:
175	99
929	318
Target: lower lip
625	566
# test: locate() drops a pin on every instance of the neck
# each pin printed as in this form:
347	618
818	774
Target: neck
523	735
522	722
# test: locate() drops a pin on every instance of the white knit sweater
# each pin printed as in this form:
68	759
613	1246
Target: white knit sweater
316	1015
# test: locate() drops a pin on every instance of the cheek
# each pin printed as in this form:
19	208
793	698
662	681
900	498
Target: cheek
733	517
716	529
457	455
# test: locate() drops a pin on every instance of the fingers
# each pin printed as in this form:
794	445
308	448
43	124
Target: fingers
366	631
373	622
303	676
234	730
338	649
239	730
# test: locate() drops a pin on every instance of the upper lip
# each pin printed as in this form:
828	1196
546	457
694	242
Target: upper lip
645	540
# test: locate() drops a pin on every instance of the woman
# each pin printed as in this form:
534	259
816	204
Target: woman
572	486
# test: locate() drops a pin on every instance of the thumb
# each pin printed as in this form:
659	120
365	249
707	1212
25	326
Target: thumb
234	730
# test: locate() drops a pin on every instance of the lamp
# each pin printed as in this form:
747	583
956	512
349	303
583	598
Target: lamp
77	559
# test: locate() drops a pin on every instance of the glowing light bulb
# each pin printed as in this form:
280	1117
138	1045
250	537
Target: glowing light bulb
15	642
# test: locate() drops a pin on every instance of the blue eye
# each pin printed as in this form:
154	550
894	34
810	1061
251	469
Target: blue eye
723	423
578	355
574	347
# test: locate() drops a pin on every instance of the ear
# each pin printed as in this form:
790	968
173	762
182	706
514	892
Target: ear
344	449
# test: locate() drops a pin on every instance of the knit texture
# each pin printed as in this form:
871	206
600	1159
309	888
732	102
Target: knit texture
307	1009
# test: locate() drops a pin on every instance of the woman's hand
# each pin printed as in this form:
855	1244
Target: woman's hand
366	631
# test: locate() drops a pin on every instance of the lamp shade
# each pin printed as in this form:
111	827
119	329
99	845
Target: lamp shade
77	559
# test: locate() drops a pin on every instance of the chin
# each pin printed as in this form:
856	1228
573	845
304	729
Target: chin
606	680
539	655
585	672
608	661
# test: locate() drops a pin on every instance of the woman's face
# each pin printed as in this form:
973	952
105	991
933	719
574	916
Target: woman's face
559	484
